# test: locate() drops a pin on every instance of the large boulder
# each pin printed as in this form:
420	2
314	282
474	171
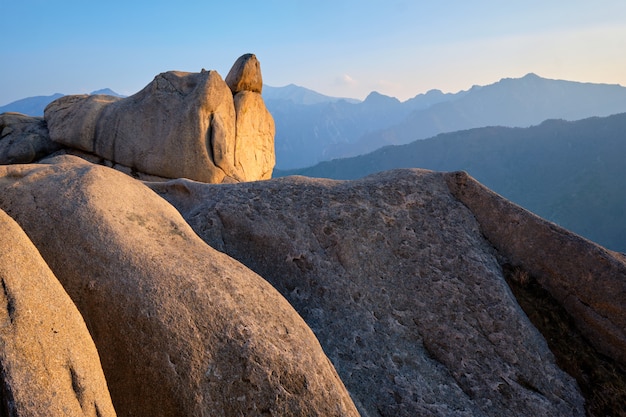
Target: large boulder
181	125
393	275
49	365
182	330
24	139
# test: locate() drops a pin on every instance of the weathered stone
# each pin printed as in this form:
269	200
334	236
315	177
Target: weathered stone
588	280
254	147
49	365
404	293
72	120
182	330
24	139
181	125
245	75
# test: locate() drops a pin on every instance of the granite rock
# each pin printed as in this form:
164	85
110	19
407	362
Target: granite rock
394	276
49	365
587	279
24	139
181	329
245	75
181	125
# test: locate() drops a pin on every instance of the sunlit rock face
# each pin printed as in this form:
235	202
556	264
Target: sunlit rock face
49	365
181	125
181	329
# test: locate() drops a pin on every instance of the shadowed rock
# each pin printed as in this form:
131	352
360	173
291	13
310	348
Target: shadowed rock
49	365
588	280
24	139
182	330
395	278
181	125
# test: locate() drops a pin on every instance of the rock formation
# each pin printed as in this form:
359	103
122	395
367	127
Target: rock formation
588	280
181	125
24	139
181	329
254	145
49	365
407	278
395	278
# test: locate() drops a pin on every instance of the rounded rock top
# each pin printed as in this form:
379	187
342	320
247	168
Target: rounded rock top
245	75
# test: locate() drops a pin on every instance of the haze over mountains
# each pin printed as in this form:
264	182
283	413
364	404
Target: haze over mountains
310	133
310	128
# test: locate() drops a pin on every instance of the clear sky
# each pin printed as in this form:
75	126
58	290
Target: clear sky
342	48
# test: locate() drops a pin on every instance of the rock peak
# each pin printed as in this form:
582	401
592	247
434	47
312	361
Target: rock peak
245	75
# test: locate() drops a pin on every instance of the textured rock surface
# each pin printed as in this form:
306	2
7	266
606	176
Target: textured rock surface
588	280
73	120
254	149
181	328
181	125
23	139
49	365
393	275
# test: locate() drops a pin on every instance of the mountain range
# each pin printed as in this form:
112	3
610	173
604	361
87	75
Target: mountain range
309	129
510	102
571	173
311	133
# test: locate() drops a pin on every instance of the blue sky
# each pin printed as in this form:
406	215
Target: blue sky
341	48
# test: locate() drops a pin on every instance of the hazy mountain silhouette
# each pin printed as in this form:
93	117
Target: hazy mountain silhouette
108	92
572	173
306	134
34	106
299	95
510	102
309	124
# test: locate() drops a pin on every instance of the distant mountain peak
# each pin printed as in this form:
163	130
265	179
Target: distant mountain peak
376	97
299	95
106	91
